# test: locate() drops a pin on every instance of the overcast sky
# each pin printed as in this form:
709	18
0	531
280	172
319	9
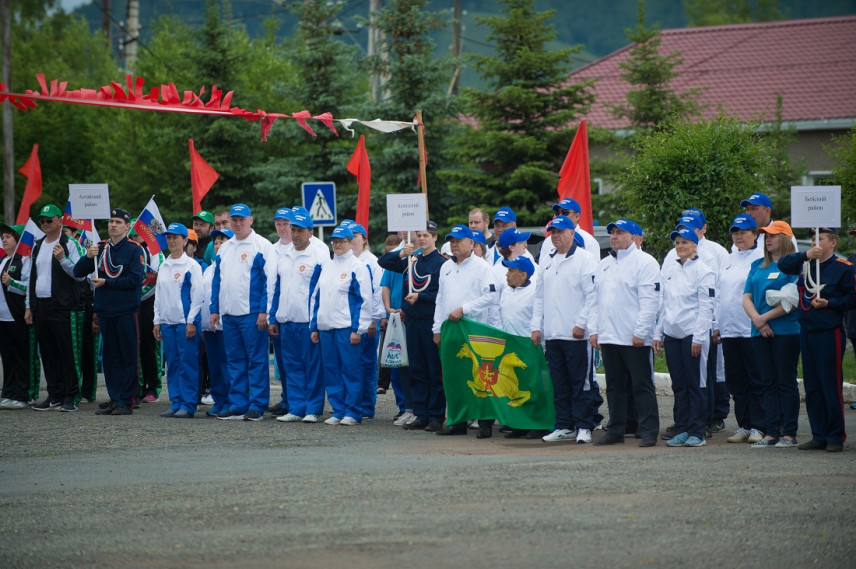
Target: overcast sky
69	5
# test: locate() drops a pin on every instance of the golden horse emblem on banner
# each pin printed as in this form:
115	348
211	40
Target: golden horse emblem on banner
488	381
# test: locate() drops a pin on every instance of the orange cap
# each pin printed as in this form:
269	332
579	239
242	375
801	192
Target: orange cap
777	227
192	236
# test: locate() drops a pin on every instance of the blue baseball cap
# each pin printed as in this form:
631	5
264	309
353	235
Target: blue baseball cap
569	204
696	212
479	237
240	210
522	263
460	232
623	224
301	218
283	213
357	228
342	232
176	229
347	222
505	214
743	221
560	222
687	234
690	221
512	236
757	199
226	232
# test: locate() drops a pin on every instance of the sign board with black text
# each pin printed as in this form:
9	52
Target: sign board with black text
815	206
406	212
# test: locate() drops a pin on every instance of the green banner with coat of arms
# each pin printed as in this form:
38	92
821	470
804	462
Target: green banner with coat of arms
489	374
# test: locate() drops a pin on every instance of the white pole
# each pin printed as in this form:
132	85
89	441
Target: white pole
817	261
409	267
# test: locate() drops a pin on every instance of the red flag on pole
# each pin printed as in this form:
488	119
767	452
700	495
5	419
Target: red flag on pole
202	177
574	177
32	170
359	166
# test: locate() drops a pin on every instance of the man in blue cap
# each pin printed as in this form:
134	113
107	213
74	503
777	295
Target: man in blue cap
120	264
505	218
570	208
55	304
624	312
244	277
760	207
419	291
467	289
282	222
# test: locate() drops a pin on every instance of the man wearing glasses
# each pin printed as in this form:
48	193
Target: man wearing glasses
55	304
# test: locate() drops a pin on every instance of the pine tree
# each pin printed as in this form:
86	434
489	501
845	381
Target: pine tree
524	117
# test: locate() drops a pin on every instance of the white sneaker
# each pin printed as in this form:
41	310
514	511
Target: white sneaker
754	436
741	435
4	402
332	421
289	418
560	435
474	425
583	436
310	418
207	400
404	419
349	422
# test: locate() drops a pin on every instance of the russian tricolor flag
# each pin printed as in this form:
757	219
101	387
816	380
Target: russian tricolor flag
69	221
151	228
28	239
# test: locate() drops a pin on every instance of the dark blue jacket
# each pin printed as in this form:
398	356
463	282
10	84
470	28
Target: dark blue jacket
839	276
426	270
123	267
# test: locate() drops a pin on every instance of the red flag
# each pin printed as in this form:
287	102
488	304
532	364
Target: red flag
574	177
202	177
359	166
32	170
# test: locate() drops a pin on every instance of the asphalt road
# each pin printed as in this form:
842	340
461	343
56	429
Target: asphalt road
80	490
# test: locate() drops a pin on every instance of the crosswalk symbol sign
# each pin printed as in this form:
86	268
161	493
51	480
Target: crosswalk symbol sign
320	199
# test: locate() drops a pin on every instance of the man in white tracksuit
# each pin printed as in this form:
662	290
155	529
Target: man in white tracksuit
570	208
624	312
341	312
563	300
466	290
244	276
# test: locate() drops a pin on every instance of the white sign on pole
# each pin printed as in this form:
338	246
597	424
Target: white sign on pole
815	206
406	212
89	201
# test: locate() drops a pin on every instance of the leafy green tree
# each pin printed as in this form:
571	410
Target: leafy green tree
842	151
524	117
416	80
651	99
65	133
721	12
710	165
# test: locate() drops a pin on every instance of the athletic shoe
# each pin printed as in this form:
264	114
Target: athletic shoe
68	406
474	424
754	436
214	411
678	440
4	403
150	398
456	429
48	405
289	418
834	447
349	422
787	443
16	405
765	442
415	425
583	436
813	445
183	414
253	415
108	410
741	435
106	404
697	442
405	417
717	427
169	413
121	411
853	405
561	436
230	415
207	399
311	418
332	421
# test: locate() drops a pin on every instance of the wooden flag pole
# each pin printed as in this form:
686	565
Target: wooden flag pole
420	133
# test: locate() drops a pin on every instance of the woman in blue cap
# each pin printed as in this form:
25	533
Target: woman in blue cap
683	329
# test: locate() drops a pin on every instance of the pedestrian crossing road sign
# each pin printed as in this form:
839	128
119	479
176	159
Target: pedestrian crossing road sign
320	199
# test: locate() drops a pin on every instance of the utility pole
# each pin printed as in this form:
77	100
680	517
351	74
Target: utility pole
106	26
376	48
457	47
8	132
133	35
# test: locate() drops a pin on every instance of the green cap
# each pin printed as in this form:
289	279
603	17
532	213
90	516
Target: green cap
17	229
132	232
49	210
205	216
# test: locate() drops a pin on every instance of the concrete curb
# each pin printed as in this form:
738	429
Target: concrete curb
663	386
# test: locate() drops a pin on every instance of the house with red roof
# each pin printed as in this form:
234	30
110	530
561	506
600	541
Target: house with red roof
811	63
